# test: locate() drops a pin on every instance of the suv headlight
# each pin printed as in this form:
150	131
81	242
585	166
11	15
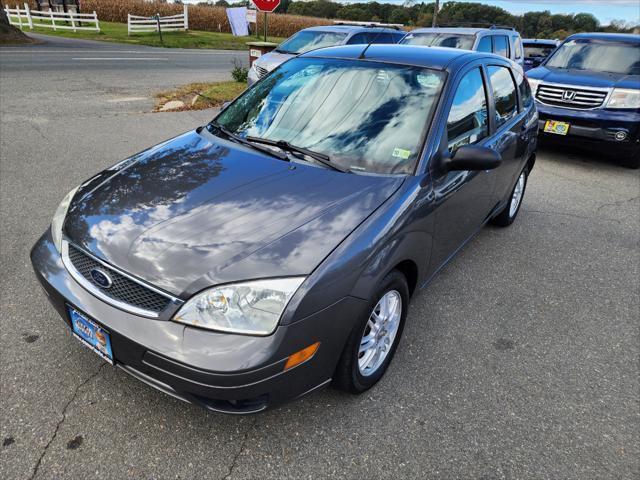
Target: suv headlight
251	308
58	219
533	83
624	98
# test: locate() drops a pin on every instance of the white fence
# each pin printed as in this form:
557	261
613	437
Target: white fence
56	20
137	24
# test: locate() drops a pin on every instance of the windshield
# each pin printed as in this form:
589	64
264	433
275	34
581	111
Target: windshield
365	116
452	40
537	50
310	40
598	56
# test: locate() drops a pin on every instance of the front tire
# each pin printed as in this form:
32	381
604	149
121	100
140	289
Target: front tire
511	209
373	341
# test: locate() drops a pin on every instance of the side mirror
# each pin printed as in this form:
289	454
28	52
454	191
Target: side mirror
472	157
225	105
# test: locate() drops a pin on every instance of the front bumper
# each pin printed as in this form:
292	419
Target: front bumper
221	372
599	128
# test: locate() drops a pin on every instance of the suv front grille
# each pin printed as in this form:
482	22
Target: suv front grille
122	289
570	97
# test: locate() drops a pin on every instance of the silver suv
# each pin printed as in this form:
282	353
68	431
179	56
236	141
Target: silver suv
504	41
319	37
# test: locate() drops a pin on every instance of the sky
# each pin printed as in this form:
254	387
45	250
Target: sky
604	10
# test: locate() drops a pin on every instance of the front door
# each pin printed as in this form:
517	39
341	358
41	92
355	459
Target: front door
463	198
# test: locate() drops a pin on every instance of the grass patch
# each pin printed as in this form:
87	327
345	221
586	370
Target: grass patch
198	96
117	33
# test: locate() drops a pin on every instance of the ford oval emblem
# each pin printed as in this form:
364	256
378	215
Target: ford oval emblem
101	278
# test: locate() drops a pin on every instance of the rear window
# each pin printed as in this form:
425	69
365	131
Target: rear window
532	50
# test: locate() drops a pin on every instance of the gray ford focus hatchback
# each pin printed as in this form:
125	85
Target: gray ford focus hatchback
275	250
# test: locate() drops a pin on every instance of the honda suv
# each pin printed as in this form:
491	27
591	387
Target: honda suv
588	92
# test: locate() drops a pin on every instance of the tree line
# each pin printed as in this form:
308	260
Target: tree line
540	24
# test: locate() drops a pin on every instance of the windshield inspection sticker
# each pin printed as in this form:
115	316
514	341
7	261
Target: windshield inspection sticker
401	153
428	80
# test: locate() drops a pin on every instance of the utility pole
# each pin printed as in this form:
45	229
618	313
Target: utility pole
434	24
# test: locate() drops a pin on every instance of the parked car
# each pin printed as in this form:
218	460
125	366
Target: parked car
588	93
536	50
275	249
505	42
318	37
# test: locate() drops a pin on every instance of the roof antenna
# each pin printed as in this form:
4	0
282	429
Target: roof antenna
371	40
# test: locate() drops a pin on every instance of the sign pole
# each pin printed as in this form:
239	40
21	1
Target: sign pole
265	26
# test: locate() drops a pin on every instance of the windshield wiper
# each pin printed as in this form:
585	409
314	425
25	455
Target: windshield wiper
286	146
245	141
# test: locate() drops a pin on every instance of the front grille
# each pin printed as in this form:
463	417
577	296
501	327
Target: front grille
261	71
570	97
122	288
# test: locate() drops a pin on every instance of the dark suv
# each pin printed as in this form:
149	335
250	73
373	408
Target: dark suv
588	91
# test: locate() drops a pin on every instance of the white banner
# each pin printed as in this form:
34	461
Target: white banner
238	20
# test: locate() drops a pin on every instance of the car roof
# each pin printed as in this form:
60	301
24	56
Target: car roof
607	36
438	58
464	30
350	29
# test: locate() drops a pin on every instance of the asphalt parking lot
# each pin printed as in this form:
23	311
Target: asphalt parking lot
519	361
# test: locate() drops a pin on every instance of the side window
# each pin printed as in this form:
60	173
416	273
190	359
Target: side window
484	45
501	45
358	39
525	91
517	41
504	94
467	122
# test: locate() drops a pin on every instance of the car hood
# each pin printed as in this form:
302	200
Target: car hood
199	210
273	59
583	78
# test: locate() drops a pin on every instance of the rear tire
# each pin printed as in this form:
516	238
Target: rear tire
373	341
510	211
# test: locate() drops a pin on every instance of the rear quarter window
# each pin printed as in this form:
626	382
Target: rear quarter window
504	94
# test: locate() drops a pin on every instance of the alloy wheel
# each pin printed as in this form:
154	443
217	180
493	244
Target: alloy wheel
379	333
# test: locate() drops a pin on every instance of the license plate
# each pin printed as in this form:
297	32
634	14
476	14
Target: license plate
557	128
91	334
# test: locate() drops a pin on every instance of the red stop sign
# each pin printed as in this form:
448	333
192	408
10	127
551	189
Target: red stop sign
266	5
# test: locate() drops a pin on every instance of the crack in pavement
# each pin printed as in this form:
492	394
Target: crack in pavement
243	444
619	203
64	417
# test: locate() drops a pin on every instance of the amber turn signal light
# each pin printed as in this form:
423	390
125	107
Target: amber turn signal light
301	356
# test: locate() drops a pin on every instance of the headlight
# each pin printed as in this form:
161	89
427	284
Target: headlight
252	308
533	83
58	219
624	98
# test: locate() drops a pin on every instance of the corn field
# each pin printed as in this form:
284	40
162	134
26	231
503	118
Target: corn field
208	18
